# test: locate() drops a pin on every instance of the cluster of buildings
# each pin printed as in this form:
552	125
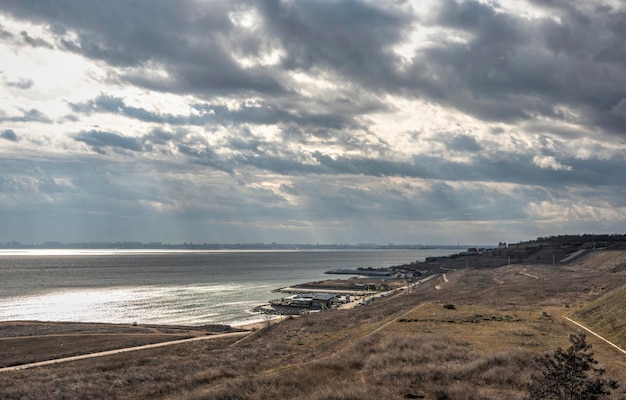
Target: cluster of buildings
315	301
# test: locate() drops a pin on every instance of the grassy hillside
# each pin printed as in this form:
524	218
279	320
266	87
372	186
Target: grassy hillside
472	334
606	316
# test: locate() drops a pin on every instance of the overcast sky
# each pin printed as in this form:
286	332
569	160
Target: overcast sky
317	121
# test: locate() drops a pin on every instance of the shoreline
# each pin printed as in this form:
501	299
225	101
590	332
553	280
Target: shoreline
262	314
357	287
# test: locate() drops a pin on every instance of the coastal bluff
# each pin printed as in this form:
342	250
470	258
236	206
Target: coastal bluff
474	331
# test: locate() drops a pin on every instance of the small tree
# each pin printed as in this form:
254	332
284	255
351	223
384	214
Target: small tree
570	374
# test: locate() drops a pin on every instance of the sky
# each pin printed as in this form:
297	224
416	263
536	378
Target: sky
321	121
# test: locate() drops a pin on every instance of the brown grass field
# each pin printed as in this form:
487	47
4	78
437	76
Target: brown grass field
23	342
403	346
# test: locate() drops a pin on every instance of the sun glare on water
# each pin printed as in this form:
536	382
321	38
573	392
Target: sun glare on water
190	305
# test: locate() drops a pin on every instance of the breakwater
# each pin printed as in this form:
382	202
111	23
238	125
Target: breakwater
359	271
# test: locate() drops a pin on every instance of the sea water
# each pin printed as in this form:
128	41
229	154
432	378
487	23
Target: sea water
166	287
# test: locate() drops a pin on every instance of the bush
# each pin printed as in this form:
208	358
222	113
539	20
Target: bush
570	374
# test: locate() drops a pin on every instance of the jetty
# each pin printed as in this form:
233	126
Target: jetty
361	272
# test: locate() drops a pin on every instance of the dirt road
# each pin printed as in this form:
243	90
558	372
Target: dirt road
595	334
119	351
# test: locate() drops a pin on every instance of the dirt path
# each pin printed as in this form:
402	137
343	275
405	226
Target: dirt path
119	351
70	335
595	334
523	272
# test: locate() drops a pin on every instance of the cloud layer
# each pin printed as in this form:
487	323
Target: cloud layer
310	121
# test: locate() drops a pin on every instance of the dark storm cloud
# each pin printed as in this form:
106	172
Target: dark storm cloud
204	155
214	114
158	143
287	113
193	43
197	47
510	69
9	134
99	141
34	42
462	143
245	151
513	68
499	167
118	32
32	115
352	37
491	75
115	105
21	83
4	34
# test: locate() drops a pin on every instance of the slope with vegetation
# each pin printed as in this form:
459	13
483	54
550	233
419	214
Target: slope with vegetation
475	335
607	316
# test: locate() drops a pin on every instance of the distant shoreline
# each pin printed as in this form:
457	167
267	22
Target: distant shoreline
14	245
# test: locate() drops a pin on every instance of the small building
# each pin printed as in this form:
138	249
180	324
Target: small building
313	300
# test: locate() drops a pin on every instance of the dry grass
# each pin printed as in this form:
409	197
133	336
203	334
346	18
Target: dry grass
483	328
607	316
24	342
406	346
32	349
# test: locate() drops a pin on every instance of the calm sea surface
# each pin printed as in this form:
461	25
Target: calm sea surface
166	287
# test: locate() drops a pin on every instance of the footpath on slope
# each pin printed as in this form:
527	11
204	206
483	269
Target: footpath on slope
119	351
595	334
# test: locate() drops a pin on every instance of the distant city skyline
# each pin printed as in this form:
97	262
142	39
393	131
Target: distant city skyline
353	121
